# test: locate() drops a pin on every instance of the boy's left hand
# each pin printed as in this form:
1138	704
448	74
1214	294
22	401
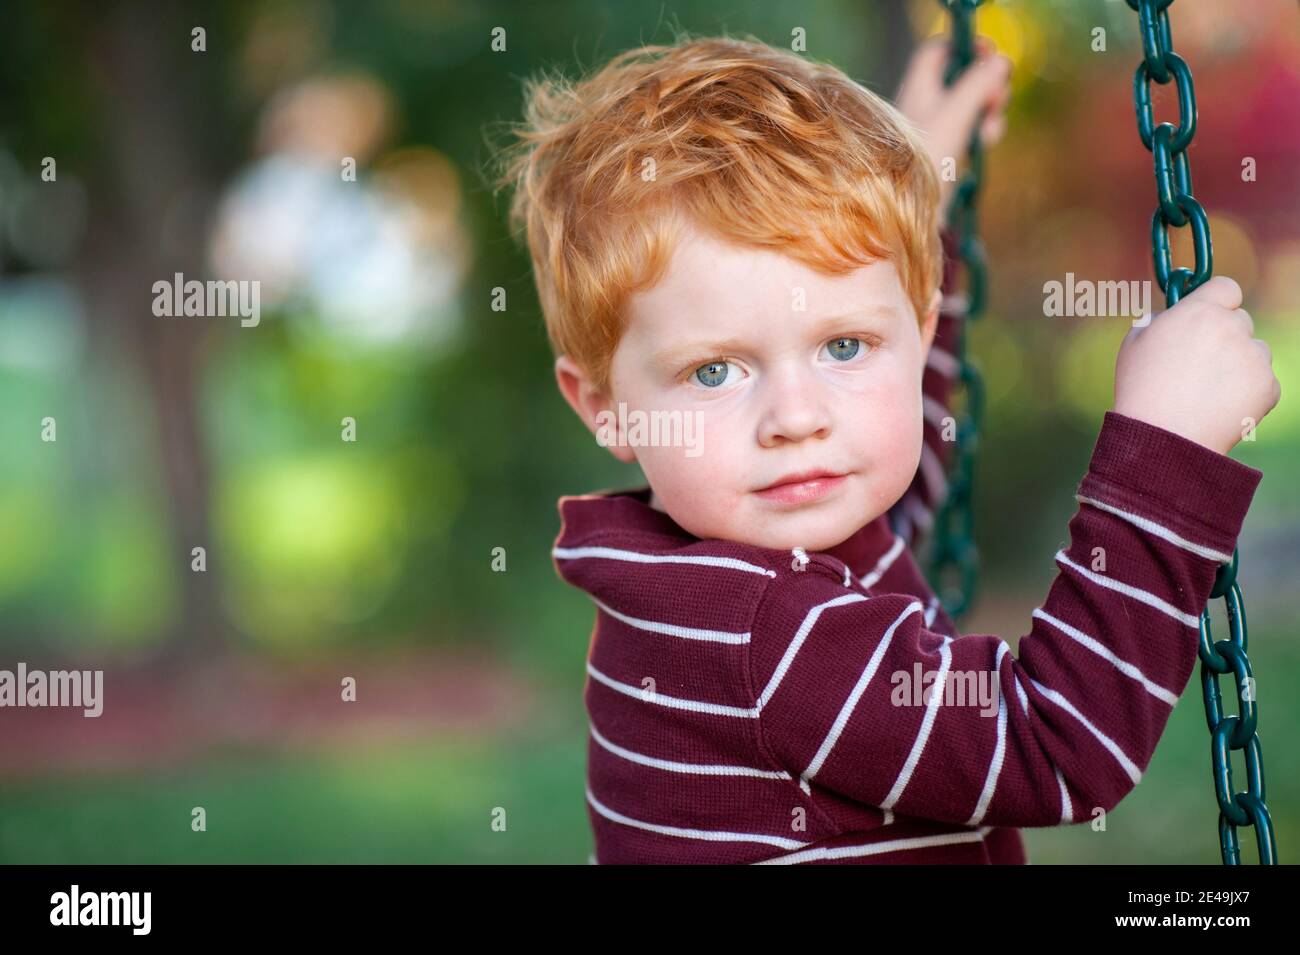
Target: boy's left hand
946	116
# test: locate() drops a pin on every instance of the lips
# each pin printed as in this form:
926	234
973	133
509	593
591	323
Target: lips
802	487
800	477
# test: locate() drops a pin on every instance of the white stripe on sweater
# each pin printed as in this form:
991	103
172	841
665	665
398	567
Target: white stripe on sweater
999	754
1020	693
955	304
933	411
673	630
878	848
936	482
1103	651
846	710
1150	599
931	609
999	751
1151	527
1067	810
923	736
695	769
902	523
1134	773
662	699
809	620
869	580
710	835
919	513
614	553
944	362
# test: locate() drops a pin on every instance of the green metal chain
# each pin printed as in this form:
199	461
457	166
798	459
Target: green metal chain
1177	207
953	551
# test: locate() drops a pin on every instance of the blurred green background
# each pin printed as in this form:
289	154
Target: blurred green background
373	558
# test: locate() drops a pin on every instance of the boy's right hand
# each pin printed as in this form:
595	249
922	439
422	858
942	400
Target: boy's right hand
1196	370
945	116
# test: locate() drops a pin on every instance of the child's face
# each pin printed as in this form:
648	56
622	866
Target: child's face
797	372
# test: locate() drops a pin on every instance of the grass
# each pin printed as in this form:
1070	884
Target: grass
411	803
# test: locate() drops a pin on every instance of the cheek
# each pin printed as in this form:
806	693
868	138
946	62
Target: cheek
697	483
889	433
712	441
907	438
695	471
890	418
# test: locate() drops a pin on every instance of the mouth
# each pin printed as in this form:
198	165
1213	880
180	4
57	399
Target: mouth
802	488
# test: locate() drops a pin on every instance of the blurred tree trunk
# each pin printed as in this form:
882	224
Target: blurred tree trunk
897	42
149	195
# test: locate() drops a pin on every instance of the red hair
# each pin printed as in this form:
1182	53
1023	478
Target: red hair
759	145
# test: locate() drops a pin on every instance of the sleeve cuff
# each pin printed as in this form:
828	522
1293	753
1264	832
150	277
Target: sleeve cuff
1198	493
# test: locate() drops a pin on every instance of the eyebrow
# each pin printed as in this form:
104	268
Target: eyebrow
679	354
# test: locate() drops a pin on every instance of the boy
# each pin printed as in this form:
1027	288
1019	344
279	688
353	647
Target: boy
729	234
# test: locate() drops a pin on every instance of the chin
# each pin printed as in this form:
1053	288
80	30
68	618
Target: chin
818	534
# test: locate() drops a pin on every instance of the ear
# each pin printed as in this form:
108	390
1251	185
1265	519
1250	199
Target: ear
931	323
592	406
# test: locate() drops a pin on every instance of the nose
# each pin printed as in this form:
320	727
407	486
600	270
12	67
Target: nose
795	407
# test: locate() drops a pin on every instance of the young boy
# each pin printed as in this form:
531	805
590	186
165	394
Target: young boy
745	243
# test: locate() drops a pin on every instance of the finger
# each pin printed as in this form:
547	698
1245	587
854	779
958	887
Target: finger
1004	95
1243	316
992	130
987	59
986	50
974	90
924	73
1220	290
992	72
993	124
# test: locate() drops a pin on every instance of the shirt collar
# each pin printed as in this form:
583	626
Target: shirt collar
628	513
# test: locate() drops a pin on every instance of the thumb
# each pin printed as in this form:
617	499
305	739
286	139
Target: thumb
1219	290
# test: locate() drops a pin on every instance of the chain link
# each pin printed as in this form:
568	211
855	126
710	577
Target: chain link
953	552
1176	207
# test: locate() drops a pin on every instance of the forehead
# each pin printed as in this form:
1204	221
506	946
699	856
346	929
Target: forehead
710	280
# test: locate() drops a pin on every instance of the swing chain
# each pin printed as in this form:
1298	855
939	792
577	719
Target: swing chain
1176	207
953	548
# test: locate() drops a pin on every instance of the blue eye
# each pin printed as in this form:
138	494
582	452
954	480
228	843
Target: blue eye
842	349
712	374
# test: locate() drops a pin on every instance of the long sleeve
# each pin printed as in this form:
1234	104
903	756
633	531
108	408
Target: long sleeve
857	696
914	511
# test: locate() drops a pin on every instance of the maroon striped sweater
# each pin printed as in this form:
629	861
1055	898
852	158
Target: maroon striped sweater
747	707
